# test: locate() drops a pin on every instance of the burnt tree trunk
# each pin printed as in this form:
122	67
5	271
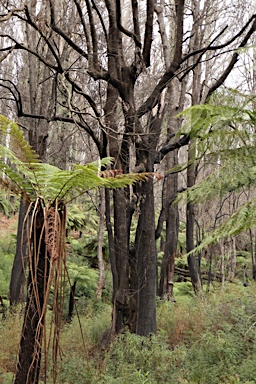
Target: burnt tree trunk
175	92
172	230
20	259
146	263
145	244
192	260
71	303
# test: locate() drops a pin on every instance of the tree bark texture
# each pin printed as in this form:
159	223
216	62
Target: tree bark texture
145	250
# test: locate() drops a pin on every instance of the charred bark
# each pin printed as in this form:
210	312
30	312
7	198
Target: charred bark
20	259
145	251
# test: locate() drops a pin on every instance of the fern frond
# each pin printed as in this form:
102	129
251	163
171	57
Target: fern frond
237	172
225	135
23	172
11	134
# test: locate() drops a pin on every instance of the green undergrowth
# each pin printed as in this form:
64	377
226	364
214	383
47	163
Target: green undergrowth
210	340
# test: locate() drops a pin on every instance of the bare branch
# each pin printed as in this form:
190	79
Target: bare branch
124	30
9	49
93	35
11	12
233	61
101	19
184	140
175	65
86	33
148	33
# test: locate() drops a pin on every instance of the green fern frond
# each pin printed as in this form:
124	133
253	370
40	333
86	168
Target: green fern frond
11	134
24	173
237	172
225	135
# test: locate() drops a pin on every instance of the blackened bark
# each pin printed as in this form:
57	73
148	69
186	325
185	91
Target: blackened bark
192	260
172	231
20	259
28	366
146	262
121	258
253	255
71	303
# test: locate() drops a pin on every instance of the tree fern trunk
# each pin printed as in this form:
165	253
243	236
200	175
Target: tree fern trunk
29	359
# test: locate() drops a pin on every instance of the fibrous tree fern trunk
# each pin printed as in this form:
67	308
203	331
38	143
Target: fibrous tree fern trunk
44	250
28	366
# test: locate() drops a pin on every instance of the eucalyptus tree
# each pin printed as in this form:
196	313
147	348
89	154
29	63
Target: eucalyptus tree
107	88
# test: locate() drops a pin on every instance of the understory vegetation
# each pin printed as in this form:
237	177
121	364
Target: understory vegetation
198	341
209	339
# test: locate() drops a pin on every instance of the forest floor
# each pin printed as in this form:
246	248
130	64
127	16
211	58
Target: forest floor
207	340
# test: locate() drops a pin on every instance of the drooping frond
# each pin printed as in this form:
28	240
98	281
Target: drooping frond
12	139
17	159
242	220
224	135
237	172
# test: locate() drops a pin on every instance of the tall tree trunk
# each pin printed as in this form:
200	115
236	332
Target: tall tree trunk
146	263
175	92
121	258
20	259
232	259
145	243
253	255
191	174
40	102
192	260
222	265
101	280
172	230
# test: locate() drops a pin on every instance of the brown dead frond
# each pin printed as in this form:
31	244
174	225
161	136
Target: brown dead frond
52	232
111	173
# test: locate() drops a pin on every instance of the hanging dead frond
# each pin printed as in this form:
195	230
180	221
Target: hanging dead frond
52	232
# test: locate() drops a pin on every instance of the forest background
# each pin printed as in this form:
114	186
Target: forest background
166	89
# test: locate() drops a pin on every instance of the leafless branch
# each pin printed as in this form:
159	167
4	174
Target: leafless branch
11	12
